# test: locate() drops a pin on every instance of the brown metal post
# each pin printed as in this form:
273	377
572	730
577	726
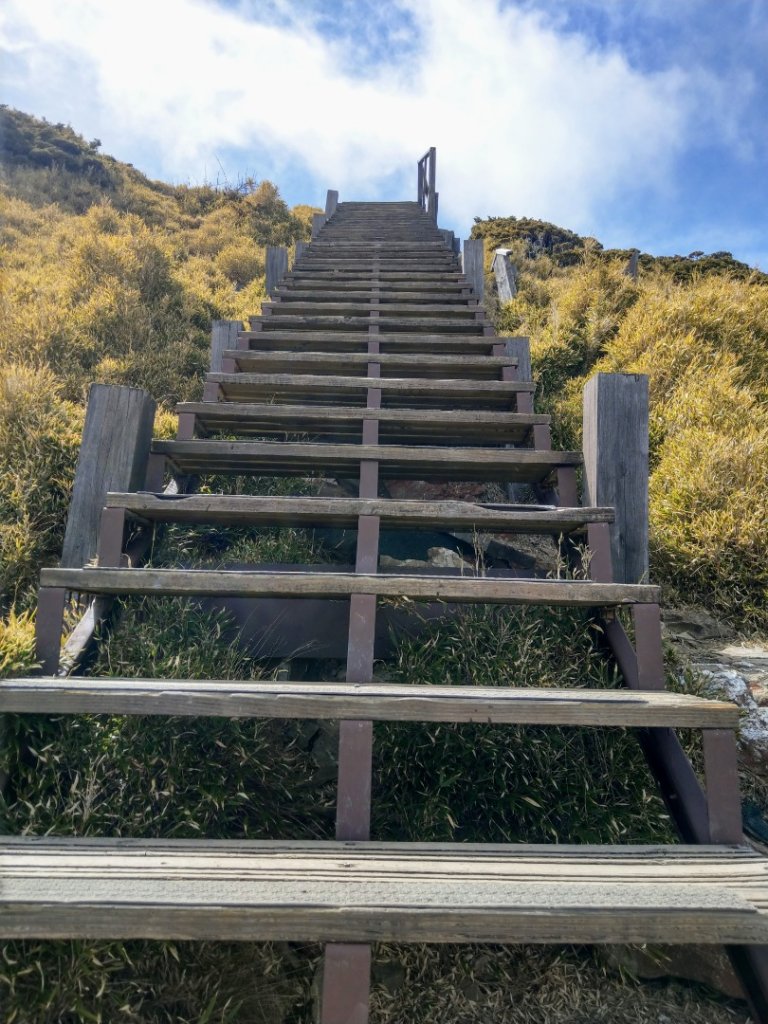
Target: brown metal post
186	427
721	776
111	530
155	473
600	562
49	625
567	487
346	969
648	645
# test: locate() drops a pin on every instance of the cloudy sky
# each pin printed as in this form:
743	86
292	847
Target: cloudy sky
641	122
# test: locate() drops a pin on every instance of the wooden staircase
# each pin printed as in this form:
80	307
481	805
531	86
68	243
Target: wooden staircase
375	360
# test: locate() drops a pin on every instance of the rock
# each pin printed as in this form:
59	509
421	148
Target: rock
444	558
753	728
390	976
693	624
530	555
432	490
707	965
438	558
387	562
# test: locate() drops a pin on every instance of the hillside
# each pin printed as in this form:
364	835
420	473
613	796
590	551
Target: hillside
698	326
113	277
534	238
109	277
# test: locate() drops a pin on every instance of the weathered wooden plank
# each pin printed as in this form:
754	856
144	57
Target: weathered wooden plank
387	321
423	365
304	286
405	385
336	341
276	267
363	295
366	246
356	701
332	275
331	202
457	310
371	891
473	257
461	589
318	221
407	426
345	512
199	457
616	464
113	456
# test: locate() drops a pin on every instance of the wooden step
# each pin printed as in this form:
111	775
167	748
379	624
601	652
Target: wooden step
442	264
393	278
366	296
57	888
377	702
395	245
451	427
383	320
343	513
393	364
395	391
289	458
456	589
455	311
304	285
345	341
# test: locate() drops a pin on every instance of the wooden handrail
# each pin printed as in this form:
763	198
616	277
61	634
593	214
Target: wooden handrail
426	175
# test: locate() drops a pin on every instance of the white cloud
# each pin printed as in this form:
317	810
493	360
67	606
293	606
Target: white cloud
524	118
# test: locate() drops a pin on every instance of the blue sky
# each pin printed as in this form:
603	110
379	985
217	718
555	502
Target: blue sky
640	122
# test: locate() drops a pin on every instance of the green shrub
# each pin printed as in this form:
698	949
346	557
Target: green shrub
39	441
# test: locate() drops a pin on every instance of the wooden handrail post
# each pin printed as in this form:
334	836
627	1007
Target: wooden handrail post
331	202
318	220
277	267
616	465
631	269
506	275
113	457
432	171
224	334
472	265
114	453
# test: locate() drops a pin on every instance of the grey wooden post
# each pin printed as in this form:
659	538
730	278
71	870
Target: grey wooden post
298	251
223	336
113	457
448	237
506	275
632	264
318	219
616	465
331	202
432	172
520	348
472	265
277	267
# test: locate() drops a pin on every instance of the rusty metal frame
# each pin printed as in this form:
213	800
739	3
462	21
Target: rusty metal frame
346	968
709	815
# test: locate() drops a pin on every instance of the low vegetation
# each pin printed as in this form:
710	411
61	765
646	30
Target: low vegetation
702	339
108	277
114	278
